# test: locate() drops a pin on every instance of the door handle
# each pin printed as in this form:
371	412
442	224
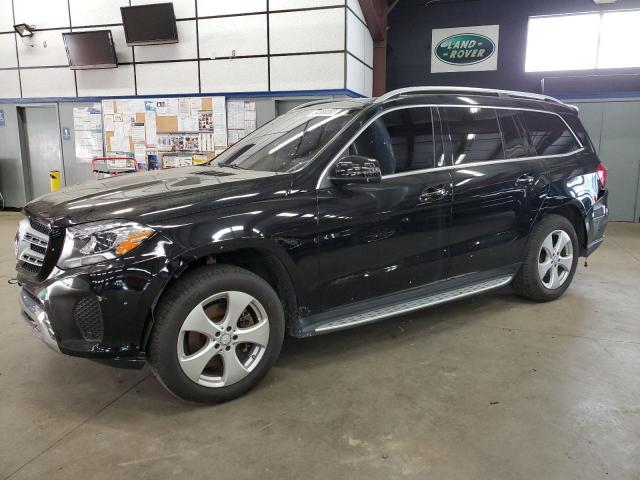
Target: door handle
433	194
525	180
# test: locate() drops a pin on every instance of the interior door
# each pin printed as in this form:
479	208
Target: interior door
40	129
377	239
497	190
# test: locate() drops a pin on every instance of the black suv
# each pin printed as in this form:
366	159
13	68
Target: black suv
338	214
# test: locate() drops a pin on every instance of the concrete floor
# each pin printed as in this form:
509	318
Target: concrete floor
488	388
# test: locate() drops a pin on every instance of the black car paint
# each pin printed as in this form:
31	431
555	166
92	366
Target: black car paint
338	244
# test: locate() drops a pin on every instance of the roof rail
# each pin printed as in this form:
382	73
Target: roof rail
312	102
469	90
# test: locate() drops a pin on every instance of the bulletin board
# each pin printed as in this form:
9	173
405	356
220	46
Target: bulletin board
174	132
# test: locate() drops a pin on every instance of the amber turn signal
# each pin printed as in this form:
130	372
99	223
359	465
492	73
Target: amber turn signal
132	241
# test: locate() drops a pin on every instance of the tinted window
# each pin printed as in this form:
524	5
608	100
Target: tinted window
475	134
514	135
401	141
288	142
579	130
549	134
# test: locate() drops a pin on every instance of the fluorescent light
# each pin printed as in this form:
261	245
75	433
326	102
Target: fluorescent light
561	43
471	136
461	158
618	35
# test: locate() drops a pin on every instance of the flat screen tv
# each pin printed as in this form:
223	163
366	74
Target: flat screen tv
92	49
149	24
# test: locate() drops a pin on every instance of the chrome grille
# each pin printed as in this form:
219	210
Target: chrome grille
32	241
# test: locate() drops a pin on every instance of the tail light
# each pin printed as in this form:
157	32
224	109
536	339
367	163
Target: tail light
602	174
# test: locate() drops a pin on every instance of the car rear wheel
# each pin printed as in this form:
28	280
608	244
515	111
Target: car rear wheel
550	261
218	331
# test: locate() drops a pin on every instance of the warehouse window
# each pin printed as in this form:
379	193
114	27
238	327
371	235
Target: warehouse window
582	41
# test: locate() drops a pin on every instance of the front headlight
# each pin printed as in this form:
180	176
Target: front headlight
99	241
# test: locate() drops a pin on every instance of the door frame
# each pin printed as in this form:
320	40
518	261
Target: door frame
24	144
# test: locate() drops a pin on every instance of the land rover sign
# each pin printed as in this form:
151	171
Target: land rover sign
465	49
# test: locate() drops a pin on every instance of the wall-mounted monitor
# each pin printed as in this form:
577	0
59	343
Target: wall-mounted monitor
92	49
149	24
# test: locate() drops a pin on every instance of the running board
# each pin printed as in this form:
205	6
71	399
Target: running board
401	308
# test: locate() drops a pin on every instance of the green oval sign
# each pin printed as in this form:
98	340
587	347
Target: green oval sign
465	49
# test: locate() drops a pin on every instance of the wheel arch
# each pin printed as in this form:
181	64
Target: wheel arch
257	257
575	213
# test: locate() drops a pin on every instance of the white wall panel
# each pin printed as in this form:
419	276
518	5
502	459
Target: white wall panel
6	16
355	75
184	50
368	82
8	51
123	52
42	13
209	8
220	36
292	4
167	78
182	8
307	31
9	84
307	72
355	6
38	55
106	82
48	82
239	75
368	48
96	12
356	34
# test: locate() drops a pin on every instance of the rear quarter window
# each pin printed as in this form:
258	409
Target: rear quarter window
577	127
549	134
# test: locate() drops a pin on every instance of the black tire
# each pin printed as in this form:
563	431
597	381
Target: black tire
527	282
174	307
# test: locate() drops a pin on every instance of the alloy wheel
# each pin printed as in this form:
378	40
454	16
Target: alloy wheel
223	339
555	259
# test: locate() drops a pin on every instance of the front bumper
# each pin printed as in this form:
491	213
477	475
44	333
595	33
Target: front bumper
100	311
38	320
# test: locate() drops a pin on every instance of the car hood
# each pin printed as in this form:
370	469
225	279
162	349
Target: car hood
156	194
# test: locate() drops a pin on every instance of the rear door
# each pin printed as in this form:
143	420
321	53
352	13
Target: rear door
498	187
377	239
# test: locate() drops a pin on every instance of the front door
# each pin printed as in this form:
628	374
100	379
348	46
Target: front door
377	239
498	187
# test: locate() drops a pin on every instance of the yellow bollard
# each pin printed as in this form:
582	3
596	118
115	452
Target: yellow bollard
55	180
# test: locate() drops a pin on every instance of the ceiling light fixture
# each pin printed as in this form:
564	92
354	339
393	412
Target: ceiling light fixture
24	30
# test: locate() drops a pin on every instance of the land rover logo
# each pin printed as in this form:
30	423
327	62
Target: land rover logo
465	49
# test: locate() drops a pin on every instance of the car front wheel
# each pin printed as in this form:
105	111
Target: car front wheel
218	331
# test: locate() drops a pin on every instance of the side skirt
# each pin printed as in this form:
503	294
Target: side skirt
377	309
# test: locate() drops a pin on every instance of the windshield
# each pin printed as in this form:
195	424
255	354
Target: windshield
287	143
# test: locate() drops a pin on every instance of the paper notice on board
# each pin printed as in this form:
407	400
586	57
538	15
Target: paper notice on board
184	105
150	128
108	123
196	105
140	152
172	106
138	133
120	144
107	107
235	114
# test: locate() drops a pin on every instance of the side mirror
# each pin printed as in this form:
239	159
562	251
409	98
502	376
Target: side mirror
356	169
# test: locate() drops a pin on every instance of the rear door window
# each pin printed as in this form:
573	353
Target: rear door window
549	134
475	134
516	139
